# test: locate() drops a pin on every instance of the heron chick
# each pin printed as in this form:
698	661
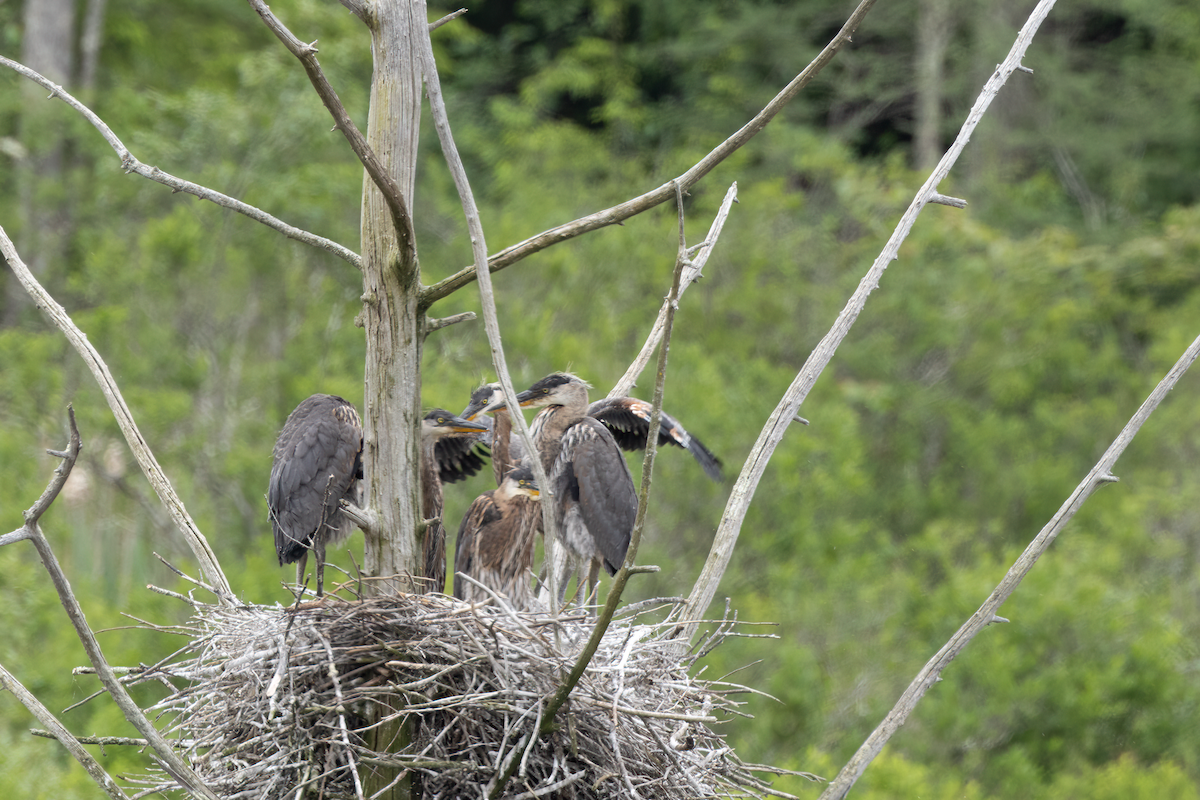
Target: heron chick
495	543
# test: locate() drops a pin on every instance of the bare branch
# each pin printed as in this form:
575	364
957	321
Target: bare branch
630	208
59	731
437	323
487	298
170	759
209	565
131	164
453	15
986	615
785	413
692	271
307	54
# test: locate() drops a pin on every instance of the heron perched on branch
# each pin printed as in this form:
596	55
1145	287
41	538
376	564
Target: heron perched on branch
438	426
594	500
317	465
495	542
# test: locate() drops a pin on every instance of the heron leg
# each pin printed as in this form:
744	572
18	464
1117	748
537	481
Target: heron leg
301	565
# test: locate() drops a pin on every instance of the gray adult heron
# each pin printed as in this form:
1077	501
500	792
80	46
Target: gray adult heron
317	464
594	500
495	544
439	425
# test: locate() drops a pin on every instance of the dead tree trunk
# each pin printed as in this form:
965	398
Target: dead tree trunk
391	311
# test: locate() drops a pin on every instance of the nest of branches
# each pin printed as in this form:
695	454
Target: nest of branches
308	701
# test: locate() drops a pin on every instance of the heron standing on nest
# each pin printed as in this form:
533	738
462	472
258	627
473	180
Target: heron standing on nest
317	465
495	544
439	425
594	500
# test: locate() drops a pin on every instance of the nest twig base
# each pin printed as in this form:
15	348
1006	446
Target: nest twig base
279	703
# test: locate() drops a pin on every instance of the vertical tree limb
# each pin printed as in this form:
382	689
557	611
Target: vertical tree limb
784	413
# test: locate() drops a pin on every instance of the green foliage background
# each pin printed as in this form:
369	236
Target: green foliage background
995	363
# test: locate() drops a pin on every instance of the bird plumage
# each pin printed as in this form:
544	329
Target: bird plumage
438	425
317	463
495	542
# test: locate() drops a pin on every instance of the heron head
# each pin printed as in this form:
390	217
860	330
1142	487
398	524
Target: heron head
441	422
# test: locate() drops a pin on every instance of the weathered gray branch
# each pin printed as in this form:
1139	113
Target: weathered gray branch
131	164
630	208
930	673
487	297
785	413
693	267
209	565
59	731
307	54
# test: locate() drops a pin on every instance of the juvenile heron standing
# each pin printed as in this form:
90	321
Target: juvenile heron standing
495	545
594	500
437	426
317	464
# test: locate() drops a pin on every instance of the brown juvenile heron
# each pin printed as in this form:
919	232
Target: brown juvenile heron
594	500
439	425
495	545
317	464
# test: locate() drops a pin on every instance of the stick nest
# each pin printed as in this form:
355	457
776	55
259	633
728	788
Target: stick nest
278	702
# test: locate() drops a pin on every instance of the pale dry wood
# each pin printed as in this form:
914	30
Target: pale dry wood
786	412
375	167
693	266
630	208
56	730
130	164
986	615
209	566
487	297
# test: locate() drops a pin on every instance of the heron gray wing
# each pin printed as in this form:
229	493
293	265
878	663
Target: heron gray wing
467	548
604	486
318	459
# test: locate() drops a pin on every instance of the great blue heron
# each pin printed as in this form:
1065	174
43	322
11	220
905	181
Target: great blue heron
594	499
627	418
507	451
437	426
495	544
317	464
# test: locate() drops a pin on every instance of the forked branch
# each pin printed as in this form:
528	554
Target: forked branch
383	180
166	755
